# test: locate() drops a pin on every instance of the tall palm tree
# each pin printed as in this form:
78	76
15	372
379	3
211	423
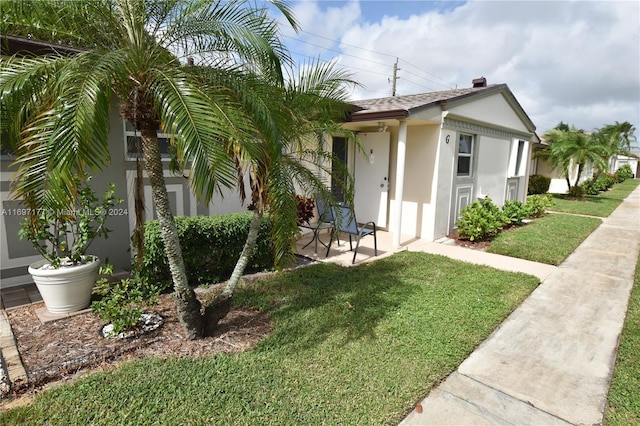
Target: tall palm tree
133	50
616	139
288	157
573	147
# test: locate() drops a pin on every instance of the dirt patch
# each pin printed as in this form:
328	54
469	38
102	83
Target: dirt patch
60	350
476	245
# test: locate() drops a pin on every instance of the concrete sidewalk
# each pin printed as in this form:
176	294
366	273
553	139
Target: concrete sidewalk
552	359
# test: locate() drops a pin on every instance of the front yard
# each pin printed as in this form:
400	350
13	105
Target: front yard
350	346
354	345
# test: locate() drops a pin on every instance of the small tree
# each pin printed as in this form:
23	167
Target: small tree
572	148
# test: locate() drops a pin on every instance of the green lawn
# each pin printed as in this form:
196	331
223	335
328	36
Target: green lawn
623	407
549	239
601	205
350	346
553	237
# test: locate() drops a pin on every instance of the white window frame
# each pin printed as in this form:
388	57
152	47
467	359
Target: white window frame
468	155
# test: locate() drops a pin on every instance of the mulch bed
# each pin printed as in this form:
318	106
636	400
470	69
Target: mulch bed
476	245
60	350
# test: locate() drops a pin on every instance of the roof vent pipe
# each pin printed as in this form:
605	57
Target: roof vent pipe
479	82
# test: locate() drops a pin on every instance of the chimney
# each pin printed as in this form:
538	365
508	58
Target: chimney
479	82
190	61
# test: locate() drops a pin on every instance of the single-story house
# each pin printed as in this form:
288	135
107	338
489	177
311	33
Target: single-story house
424	158
618	161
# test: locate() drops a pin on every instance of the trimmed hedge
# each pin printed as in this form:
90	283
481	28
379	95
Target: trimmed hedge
211	246
538	184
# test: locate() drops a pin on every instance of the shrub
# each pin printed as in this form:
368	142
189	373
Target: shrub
211	246
538	204
601	183
623	173
538	184
515	211
480	220
590	187
120	303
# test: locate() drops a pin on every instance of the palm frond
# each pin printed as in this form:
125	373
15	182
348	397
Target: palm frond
203	120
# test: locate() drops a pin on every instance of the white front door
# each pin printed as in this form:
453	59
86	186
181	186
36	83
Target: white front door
372	178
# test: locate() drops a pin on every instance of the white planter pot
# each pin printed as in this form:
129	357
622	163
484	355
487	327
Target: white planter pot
66	289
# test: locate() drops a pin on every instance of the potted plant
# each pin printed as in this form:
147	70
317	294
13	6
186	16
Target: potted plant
66	276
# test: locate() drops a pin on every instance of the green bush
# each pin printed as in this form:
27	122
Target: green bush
590	188
537	205
515	211
601	183
211	246
538	184
623	173
480	220
121	303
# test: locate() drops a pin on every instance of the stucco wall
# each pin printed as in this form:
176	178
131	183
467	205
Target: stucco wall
493	161
491	109
420	163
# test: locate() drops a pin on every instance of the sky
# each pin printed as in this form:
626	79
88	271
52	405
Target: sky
572	61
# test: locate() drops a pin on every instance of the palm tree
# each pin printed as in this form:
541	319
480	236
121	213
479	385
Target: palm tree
287	156
569	148
132	49
616	139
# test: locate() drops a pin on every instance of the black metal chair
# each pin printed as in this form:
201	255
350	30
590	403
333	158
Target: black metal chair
345	220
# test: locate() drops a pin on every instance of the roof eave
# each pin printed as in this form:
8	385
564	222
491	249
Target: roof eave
395	114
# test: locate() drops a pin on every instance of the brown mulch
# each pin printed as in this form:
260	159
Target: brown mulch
60	350
476	245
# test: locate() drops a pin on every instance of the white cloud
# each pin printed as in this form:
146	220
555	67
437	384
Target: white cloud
578	61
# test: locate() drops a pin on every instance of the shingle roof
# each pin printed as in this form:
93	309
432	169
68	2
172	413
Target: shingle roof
410	103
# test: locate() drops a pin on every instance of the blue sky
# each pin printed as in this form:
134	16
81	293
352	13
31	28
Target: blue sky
571	61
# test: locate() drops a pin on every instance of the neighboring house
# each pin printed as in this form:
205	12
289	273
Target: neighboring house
618	161
558	185
436	153
16	255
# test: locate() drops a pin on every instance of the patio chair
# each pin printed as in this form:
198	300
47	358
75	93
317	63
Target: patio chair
325	220
346	222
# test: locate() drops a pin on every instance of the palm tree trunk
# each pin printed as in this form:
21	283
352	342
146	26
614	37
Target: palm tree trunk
187	305
247	253
580	169
219	307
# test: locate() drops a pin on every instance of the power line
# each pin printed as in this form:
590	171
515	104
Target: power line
448	84
337	51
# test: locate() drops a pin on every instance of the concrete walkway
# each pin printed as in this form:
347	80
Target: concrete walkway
551	361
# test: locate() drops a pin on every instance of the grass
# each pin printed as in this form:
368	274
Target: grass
350	346
623	406
601	205
549	239
553	237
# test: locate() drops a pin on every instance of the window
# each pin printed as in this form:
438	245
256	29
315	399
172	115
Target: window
465	155
517	166
164	140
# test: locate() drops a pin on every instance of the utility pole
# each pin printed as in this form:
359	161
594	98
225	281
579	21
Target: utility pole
395	78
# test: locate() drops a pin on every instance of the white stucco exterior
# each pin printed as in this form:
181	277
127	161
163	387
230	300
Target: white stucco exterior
432	193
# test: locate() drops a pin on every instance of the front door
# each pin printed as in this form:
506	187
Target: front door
372	178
